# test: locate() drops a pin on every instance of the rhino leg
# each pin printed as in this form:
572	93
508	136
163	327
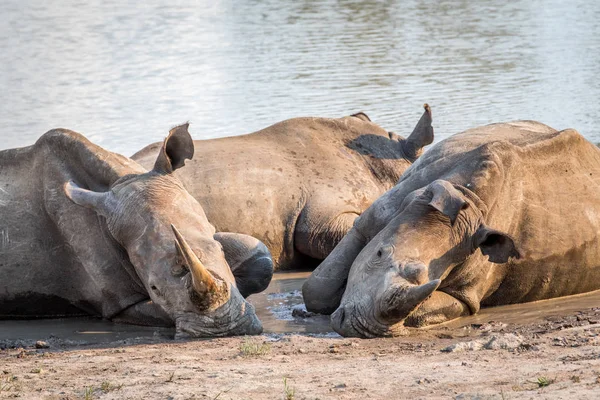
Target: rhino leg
144	313
316	239
323	290
438	308
249	259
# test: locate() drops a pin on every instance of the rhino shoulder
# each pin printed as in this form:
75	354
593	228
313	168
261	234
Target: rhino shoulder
76	151
61	137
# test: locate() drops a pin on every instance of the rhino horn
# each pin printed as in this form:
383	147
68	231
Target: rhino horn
407	298
204	283
419	293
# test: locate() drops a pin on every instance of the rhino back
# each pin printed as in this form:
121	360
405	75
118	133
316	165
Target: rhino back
41	233
553	199
539	185
259	183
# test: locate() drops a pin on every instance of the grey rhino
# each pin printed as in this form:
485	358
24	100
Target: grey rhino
84	231
505	213
297	185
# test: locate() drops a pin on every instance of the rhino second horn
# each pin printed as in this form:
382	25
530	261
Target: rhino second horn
204	284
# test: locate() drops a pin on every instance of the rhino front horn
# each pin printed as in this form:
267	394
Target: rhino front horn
420	293
207	288
406	298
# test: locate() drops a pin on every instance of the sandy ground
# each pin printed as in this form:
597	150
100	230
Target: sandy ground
558	357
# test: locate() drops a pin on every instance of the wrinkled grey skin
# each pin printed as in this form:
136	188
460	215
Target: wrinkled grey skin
109	250
505	213
298	185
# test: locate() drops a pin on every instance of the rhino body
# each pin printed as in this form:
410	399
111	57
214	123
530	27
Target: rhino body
84	231
505	213
297	185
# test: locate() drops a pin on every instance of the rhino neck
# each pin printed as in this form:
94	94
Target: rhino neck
387	171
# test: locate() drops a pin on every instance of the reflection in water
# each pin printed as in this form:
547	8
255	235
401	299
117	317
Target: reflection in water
123	73
275	305
78	331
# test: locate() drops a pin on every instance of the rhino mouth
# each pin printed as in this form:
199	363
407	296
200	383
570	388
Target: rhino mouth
351	321
219	323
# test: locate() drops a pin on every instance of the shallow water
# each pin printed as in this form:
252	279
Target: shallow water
275	305
124	72
274	308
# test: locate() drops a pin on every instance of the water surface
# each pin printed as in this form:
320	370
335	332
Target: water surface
123	73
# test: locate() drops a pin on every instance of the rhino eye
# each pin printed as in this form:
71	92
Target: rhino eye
379	253
179	270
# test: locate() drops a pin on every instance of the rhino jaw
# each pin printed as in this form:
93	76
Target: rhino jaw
396	304
236	317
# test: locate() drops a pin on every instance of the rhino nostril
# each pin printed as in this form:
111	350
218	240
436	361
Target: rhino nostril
342	316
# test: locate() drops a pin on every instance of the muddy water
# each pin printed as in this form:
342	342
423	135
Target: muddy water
78	331
275	308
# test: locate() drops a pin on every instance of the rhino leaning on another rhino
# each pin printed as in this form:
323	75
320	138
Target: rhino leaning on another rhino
87	231
298	185
504	213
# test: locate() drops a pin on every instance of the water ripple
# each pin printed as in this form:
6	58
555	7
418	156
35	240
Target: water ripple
123	74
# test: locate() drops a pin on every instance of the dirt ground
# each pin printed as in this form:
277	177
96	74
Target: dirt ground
558	357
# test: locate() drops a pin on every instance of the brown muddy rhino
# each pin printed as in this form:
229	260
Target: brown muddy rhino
84	231
505	213
297	185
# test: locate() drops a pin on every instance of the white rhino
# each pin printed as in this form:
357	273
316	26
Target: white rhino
297	185
504	213
84	231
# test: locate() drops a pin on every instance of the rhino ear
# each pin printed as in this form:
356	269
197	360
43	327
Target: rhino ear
498	246
421	136
446	199
361	115
177	147
101	202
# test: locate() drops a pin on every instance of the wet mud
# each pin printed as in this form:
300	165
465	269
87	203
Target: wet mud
281	310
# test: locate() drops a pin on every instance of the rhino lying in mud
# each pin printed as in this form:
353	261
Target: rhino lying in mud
133	247
298	185
505	213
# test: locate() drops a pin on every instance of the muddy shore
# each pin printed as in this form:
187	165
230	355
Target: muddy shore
537	350
558	358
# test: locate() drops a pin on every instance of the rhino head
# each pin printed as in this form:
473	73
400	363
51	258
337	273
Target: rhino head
437	228
323	290
170	243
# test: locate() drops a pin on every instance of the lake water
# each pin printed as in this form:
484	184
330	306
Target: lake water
123	73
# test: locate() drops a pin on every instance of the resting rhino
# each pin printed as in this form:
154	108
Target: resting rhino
505	213
111	248
297	185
